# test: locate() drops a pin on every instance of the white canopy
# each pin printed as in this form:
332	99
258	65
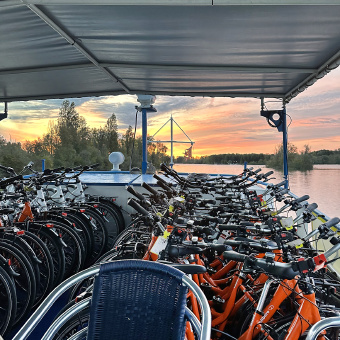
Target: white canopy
254	48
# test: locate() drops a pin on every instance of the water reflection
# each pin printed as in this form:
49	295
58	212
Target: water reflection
322	183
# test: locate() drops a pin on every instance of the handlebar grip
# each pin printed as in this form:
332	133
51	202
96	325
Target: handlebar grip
257	171
164	186
332	222
179	250
164	168
160	179
150	189
11	180
301	199
311	207
278	269
132	191
234	256
268	174
132	203
219	248
222	227
208	201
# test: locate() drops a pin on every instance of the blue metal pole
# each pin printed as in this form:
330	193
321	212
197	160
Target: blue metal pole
285	148
145	141
42	164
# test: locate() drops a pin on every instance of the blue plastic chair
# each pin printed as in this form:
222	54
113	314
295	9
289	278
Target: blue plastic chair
132	299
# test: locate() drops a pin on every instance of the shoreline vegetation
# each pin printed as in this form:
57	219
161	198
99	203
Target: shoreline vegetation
69	142
297	160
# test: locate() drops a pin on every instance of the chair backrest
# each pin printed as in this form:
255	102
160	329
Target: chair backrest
135	299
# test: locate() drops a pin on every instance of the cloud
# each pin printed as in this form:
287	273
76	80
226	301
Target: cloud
217	125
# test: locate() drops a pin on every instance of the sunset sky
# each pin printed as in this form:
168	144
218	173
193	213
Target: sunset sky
216	125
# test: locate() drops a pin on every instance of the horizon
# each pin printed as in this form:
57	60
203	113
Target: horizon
216	125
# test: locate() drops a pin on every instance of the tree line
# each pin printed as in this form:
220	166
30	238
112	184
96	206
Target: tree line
69	142
297	160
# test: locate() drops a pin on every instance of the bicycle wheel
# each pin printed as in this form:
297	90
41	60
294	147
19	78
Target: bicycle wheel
75	324
99	232
77	233
55	247
73	250
8	300
45	266
112	224
25	248
82	223
25	283
111	203
135	233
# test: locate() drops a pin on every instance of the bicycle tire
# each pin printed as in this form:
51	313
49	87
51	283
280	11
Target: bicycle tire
82	223
26	249
24	283
78	232
111	202
55	247
73	250
75	324
46	266
112	223
8	300
99	232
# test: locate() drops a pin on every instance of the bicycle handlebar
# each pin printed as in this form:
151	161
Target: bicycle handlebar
150	189
132	203
278	269
267	174
11	180
311	207
234	256
331	223
300	199
160	179
164	186
132	191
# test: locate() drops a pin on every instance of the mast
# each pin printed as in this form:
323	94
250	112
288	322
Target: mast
172	141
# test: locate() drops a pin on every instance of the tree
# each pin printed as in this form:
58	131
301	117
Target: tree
111	130
297	161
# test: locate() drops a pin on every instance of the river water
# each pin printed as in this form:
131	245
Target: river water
322	183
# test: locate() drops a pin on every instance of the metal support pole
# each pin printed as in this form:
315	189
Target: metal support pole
172	141
43	164
285	147
5	114
145	141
